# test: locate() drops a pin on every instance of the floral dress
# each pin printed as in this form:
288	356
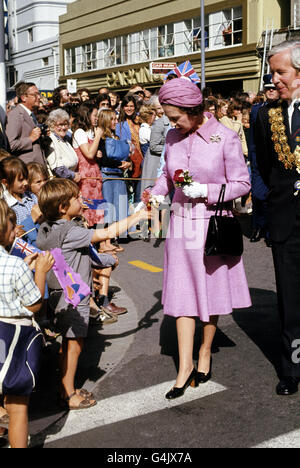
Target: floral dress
91	177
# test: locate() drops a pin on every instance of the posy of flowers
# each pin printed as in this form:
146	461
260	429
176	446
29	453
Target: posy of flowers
182	178
148	199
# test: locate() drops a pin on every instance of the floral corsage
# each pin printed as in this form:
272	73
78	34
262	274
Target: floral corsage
182	178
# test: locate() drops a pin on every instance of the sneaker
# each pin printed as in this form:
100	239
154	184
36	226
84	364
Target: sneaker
103	316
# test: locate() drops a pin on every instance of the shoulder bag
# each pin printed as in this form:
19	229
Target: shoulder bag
224	235
117	149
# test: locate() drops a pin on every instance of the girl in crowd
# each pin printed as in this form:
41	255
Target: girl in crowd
14	175
147	116
114	189
86	138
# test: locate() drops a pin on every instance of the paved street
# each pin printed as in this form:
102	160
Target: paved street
130	366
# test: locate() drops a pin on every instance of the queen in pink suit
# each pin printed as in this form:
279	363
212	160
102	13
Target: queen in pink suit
196	285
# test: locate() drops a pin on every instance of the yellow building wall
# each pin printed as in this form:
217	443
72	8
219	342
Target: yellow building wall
85	22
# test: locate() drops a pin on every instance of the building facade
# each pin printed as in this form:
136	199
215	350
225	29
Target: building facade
115	43
32	55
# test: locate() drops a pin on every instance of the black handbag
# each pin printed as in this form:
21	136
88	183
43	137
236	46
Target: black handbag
224	235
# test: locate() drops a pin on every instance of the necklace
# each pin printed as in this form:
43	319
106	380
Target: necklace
282	148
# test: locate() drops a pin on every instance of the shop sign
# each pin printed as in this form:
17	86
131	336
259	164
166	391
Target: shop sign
46	93
161	68
131	77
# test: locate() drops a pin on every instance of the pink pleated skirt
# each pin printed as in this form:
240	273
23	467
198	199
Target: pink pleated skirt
195	285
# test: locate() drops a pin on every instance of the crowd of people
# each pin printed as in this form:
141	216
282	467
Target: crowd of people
73	169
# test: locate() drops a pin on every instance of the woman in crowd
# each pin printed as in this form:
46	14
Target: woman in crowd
86	138
196	285
128	129
84	94
61	157
233	120
222	109
114	101
114	161
210	105
103	101
147	117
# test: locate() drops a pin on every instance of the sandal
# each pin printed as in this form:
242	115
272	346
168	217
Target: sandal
4	420
84	404
85	393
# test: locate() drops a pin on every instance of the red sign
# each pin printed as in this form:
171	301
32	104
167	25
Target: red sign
158	68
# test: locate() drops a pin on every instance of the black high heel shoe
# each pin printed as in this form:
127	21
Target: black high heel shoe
203	378
177	392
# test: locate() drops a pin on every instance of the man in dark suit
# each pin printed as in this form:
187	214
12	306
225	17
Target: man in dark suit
22	130
277	135
259	190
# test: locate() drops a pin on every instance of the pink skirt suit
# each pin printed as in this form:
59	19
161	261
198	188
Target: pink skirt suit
195	285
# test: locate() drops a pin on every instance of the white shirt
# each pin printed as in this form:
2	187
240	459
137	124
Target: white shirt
144	133
81	137
17	287
290	112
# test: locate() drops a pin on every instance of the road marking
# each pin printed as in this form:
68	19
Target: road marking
288	440
127	406
145	266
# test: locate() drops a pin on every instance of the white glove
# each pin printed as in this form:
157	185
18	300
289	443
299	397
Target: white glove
195	190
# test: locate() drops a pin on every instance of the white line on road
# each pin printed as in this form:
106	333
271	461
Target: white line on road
288	440
129	405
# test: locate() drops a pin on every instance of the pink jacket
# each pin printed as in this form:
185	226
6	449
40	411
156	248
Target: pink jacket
213	156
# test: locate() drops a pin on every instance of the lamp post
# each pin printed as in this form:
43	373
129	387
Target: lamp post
2	58
202	44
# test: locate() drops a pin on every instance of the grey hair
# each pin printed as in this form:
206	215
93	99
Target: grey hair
55	116
153	101
293	46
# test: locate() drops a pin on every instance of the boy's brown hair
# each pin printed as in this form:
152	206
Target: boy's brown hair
56	194
34	169
12	168
6	214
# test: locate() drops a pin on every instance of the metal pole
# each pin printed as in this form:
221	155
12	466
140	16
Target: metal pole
264	59
202	45
2	58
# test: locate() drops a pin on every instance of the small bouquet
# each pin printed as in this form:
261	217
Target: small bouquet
182	178
148	200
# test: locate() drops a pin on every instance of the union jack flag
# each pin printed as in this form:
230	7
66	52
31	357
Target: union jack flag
22	249
185	70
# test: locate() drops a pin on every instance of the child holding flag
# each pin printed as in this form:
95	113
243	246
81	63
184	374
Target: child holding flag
20	298
61	204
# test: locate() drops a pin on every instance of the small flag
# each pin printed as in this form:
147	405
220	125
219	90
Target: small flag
93	204
75	289
22	248
185	70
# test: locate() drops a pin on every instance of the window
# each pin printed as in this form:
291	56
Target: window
223	28
89	57
166	40
232	26
30	35
71	61
45	61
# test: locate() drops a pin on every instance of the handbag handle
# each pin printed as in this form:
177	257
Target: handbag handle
220	202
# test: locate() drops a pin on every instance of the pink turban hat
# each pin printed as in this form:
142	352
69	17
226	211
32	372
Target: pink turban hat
180	92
